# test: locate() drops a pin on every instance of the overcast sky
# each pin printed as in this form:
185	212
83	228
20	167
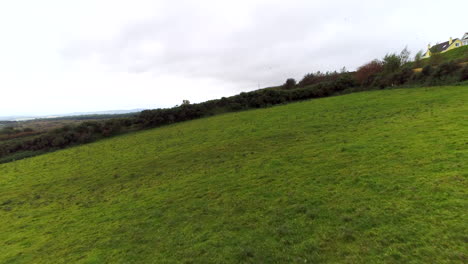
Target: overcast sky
89	55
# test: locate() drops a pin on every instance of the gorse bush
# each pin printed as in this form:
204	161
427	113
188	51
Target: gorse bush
464	73
427	70
447	72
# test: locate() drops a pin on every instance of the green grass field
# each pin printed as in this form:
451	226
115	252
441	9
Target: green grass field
370	177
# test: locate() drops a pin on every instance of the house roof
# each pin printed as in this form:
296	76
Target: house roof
465	36
441	47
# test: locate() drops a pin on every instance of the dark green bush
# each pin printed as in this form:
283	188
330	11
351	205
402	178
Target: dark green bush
464	73
427	70
289	84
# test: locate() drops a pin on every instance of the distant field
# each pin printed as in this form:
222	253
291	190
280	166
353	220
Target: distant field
4	124
53	123
369	177
41	126
46	124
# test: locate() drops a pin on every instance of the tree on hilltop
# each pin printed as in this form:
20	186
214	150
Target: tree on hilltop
289	84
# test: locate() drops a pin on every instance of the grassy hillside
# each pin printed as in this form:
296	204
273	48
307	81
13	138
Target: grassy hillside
459	54
371	177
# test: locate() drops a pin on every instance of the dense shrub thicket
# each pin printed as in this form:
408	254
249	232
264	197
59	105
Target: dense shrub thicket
392	70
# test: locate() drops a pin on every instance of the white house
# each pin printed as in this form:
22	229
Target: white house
464	39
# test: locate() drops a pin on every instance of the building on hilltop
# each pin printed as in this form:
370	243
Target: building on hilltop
444	46
465	39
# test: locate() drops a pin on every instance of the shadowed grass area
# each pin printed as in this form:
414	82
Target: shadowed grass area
371	177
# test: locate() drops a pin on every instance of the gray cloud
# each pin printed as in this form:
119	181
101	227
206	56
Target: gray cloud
279	39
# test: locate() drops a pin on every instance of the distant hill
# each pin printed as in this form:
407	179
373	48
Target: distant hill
369	177
109	112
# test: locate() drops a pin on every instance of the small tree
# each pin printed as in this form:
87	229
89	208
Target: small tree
391	63
289	84
405	56
417	59
185	102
